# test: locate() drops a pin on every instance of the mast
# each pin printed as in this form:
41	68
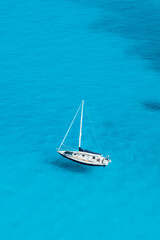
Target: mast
80	133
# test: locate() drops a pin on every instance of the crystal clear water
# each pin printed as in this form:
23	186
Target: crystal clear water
53	54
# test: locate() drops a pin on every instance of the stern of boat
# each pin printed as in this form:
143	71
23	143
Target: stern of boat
107	161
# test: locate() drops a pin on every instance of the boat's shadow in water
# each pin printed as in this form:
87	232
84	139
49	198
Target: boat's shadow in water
70	166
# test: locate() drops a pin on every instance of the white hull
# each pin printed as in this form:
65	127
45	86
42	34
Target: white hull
85	158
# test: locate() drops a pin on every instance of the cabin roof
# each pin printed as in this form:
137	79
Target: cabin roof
84	150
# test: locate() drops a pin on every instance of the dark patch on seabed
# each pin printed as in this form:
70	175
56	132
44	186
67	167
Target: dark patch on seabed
138	20
154	106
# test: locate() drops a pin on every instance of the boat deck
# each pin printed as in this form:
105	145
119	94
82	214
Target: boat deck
85	158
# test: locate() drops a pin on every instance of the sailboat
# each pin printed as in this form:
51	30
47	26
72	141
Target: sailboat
81	155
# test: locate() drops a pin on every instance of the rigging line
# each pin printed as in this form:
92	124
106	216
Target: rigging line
66	147
93	130
69	128
69	148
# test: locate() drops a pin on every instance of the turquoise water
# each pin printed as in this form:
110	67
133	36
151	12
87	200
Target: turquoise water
53	54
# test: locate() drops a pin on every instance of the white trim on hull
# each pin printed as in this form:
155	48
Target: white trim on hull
85	158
